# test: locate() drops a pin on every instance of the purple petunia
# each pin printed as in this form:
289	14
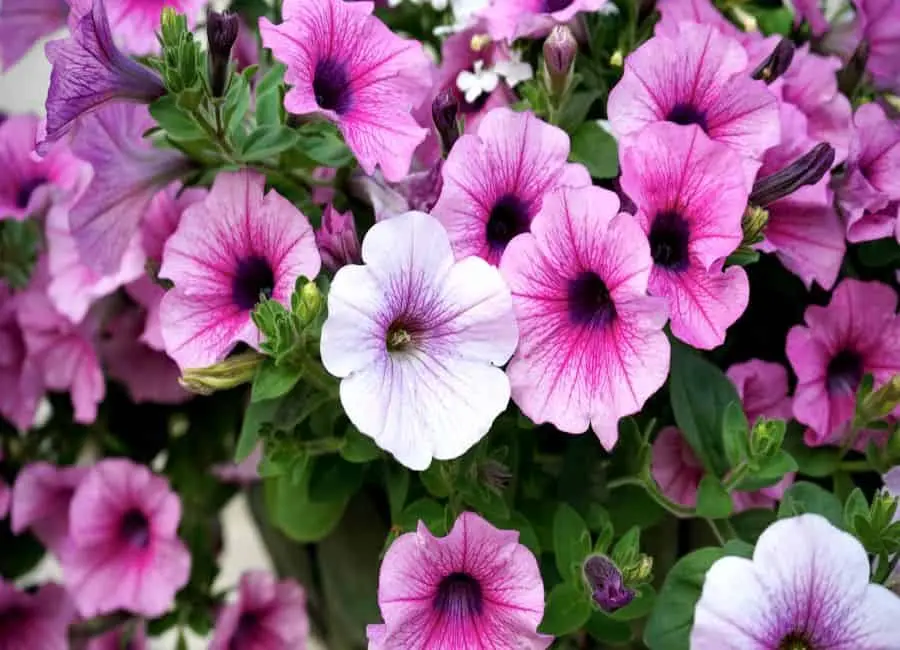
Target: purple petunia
24	22
41	498
35	620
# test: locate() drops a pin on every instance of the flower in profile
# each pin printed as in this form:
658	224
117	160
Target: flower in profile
882	24
495	181
869	191
698	77
508	20
337	239
123	550
675	467
90	72
476	587
592	347
855	335
35	620
348	67
763	389
21	384
236	247
131	636
267	615
418	340
40	502
23	23
807	586
691	196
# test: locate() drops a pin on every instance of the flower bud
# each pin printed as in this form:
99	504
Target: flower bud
766	437
560	49
881	402
777	63
310	303
444	113
808	169
221	32
233	371
337	239
607	584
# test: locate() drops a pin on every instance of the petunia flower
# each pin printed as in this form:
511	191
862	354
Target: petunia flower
267	615
348	67
855	335
508	20
41	498
23	23
35	620
698	77
337	239
691	196
495	181
675	467
89	72
674	12
125	637
237	245
417	340
763	389
124	553
881	20
807	586
21	383
892	486
477	587
591	348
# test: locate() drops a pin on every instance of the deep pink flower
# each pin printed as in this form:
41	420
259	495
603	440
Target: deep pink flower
699	77
267	615
21	384
591	348
163	216
691	196
508	20
675	467
348	67
475	588
337	239
869	191
675	12
855	335
123	551
40	502
236	245
494	182
882	25
23	23
38	620
125	637
763	389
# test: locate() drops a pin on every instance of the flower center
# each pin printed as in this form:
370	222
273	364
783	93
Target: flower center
331	86
795	642
669	236
551	6
686	114
844	372
459	596
508	218
254	278
135	529
589	300
398	338
23	196
244	635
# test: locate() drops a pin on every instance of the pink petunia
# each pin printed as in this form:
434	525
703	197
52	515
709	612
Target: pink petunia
495	181
21	382
124	552
690	196
475	588
881	27
855	335
267	615
23	23
508	20
675	467
348	67
674	12
763	389
337	239
237	245
41	498
591	348
698	77
5	496
35	620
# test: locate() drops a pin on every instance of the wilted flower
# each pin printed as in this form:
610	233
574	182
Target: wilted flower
607	584
38	620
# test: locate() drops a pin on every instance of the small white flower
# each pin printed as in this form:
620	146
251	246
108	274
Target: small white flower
515	70
478	81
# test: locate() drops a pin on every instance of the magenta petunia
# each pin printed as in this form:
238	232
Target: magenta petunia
855	335
41	498
348	67
592	347
675	467
674	12
698	77
478	587
123	552
35	620
763	389
807	586
690	195
418	339
508	20
881	29
495	181
868	193
21	382
267	615
24	22
240	243
131	636
337	239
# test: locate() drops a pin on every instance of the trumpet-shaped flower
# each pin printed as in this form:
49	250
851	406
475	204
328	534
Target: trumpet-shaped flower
24	22
508	20
40	502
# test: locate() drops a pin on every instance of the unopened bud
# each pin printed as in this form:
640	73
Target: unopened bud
221	32
310	303
640	571
337	239
233	371
853	73
766	437
753	224
494	475
607	583
444	113
172	27
808	169
881	402
560	49
777	63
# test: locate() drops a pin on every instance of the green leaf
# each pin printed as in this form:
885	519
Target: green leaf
643	603
173	120
713	500
669	626
881	252
435	480
255	416
527	536
273	381
428	511
299	517
331	478
20	242
595	149
736	434
358	447
486	501
818	462
803	497
855	506
700	393
571	542
272	80
396	483
770	472
237	101
626	550
750	524
603	628
322	143
268	141
568	608
738	548
576	108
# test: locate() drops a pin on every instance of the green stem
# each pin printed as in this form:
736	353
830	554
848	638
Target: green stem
735	477
650	487
715	529
855	466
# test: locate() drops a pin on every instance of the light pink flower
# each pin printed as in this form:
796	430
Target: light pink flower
267	615
475	588
125	637
855	335
806	586
21	383
348	67
38	620
690	196
417	340
337	239
123	551
495	182
675	467
508	20
697	77
163	216
25	22
40	502
675	12
763	389
235	246
592	349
